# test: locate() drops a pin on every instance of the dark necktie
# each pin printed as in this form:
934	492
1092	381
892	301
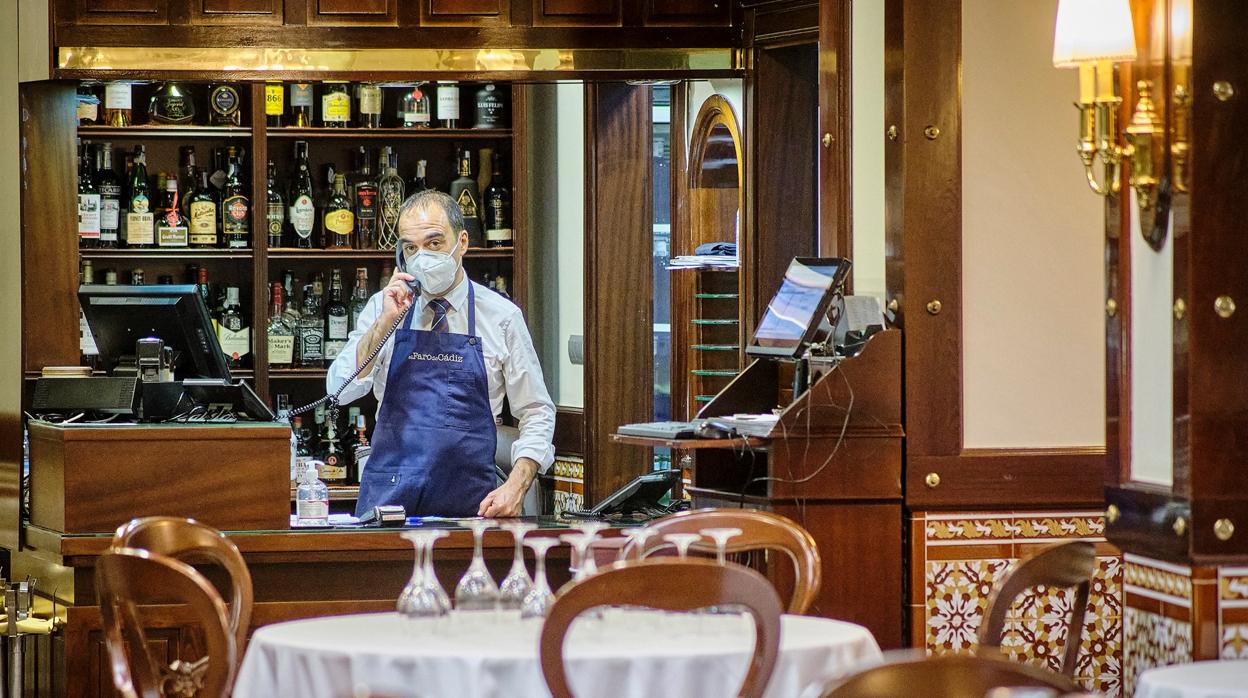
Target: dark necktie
440	307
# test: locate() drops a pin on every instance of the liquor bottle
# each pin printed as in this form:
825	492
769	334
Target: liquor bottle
491	109
464	191
419	183
235	207
188	176
368	100
448	104
136	277
118	109
301	104
337	319
338	221
171	104
289	284
302	210
203	214
88	105
334	470
415	108
217	175
359	449
359	295
350	441
86	341
335	105
364	201
303	453
171	228
274	104
390	193
232	332
498	207
109	186
281	334
276	214
205	289
140	222
88	201
311	331
225	105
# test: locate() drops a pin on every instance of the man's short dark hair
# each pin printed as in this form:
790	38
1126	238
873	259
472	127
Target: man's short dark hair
430	198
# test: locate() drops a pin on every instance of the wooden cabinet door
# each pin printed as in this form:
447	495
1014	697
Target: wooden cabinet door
577	13
465	13
236	11
122	11
681	13
346	13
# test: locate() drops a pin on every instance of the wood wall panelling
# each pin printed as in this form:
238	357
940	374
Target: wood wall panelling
687	13
117	11
345	13
778	23
570	13
237	11
835	226
465	13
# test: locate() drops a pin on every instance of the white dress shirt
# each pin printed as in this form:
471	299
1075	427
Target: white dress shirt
511	366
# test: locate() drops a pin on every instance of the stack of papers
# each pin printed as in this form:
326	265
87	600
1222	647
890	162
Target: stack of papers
703	261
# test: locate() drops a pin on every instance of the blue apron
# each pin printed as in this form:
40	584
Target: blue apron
433	448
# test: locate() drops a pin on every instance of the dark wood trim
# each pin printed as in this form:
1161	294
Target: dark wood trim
569	431
994	478
835	129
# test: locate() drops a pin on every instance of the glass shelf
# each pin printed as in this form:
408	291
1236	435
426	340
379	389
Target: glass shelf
714	372
717	296
715	347
717	322
703	398
157	131
389	133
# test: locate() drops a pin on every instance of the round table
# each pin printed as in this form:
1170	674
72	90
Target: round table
623	654
1225	679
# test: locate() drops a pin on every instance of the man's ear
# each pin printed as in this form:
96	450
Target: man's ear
463	243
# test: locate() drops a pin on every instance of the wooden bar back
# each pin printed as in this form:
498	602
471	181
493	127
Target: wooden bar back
670	585
760	530
947	677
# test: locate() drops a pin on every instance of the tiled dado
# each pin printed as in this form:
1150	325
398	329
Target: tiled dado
957	560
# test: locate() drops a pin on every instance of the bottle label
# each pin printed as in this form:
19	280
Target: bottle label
234	214
489	108
117	95
467	204
416	117
312	344
334	468
89	216
139	203
370	99
170	235
448	102
172	109
341	221
498	235
301	94
110	209
86	340
339	326
274	102
88	111
366	203
139	228
275	219
312	509
303	216
203	223
334	347
224	100
234	343
336	107
281	349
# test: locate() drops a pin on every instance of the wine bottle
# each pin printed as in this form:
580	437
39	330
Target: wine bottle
140	222
448	104
368	100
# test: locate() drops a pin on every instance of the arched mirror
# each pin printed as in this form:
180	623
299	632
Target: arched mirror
714	174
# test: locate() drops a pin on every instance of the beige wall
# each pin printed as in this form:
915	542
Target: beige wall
867	67
1033	326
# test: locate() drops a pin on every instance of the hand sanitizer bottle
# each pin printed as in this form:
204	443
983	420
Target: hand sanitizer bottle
311	500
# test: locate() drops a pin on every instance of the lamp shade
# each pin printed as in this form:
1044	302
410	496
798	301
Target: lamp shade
1092	30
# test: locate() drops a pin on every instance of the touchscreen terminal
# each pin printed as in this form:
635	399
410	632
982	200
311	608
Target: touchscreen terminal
796	311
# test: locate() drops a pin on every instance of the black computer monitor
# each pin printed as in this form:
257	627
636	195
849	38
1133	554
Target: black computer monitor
798	310
119	316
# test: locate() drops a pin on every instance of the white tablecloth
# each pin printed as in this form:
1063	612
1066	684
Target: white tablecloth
1226	679
641	654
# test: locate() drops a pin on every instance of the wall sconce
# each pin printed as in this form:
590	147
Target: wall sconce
1092	35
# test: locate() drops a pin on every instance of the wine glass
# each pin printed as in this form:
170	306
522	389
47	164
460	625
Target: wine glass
423	597
540	598
682	541
637	538
516	585
476	590
721	536
591	528
584	559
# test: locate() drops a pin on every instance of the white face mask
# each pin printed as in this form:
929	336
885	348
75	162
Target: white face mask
434	270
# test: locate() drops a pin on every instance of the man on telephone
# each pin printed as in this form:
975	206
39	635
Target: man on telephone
441	378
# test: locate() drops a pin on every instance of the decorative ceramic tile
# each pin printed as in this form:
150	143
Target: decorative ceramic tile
1161	578
1233	584
976	528
1099	666
1151	640
956	598
1105	594
1234	641
1060	526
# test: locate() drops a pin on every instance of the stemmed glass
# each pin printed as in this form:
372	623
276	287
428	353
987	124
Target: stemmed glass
721	536
583	564
476	590
516	585
423	597
637	538
682	541
540	598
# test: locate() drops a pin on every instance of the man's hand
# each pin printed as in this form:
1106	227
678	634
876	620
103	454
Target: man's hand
507	500
396	299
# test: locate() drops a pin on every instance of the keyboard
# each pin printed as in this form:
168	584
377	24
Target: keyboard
661	430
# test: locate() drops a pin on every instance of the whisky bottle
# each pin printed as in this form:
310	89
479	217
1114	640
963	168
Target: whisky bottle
334	471
339	221
448	104
171	104
88	105
490	109
280	333
203	214
275	216
289	284
419	182
171	228
311	331
390	192
109	186
302	210
232	331
364	201
225	106
274	104
188	176
415	108
140	222
335	105
368	100
464	191
337	319
88	201
301	104
359	295
118	109
235	207
498	207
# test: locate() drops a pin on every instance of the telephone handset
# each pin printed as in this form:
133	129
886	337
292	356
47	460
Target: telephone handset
400	263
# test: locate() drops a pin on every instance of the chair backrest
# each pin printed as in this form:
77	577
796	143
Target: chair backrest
1062	565
128	578
190	540
760	530
671	585
958	676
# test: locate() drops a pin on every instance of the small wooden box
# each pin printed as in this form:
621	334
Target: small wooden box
93	479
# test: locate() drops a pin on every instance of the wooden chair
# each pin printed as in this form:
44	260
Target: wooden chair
958	676
128	578
760	530
1062	565
671	585
188	540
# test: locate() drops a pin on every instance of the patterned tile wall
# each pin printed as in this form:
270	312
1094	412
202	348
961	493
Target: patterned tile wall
568	483
1157	618
1233	612
960	558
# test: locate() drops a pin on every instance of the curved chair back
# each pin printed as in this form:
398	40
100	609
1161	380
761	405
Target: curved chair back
957	676
127	578
1062	565
671	585
760	530
190	540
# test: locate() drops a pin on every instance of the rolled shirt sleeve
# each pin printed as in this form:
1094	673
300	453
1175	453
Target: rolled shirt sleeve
344	365
526	392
